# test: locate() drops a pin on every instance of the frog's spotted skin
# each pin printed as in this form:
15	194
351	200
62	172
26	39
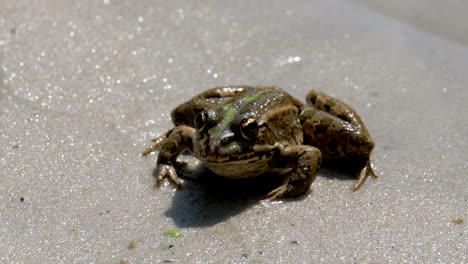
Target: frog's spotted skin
240	132
337	130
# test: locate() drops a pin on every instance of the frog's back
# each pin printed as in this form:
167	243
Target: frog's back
260	100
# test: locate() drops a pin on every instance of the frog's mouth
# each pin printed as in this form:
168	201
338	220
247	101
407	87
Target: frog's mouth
248	165
241	154
239	159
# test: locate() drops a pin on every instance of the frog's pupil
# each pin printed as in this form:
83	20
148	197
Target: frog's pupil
251	124
249	128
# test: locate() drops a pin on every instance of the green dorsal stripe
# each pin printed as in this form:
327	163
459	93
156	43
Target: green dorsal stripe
254	97
228	117
230	111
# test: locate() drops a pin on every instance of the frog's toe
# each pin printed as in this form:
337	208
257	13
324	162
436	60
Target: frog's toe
277	193
167	172
286	190
157	143
364	173
149	150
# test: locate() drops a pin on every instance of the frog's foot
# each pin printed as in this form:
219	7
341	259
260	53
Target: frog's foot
306	162
165	171
295	186
157	144
365	172
278	193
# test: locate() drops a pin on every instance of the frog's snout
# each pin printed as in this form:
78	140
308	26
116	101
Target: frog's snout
225	139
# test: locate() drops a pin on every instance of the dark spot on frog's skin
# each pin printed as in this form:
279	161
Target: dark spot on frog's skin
342	117
320	130
332	144
170	147
312	99
281	162
327	107
177	116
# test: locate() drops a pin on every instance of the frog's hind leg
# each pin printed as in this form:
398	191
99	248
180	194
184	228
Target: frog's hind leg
335	107
339	140
343	111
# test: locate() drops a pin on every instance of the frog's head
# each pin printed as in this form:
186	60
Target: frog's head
225	137
231	143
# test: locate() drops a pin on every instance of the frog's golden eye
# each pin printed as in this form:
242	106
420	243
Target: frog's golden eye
200	120
249	128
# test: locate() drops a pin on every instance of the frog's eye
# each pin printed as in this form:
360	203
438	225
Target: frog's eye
200	120
206	120
249	128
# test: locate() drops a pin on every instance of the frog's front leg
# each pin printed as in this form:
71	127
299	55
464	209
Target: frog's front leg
305	162
157	143
170	145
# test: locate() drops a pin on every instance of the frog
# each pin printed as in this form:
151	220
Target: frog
240	132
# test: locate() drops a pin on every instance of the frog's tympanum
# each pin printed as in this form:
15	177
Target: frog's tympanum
241	132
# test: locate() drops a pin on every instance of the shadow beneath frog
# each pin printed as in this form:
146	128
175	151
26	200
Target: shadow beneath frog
207	199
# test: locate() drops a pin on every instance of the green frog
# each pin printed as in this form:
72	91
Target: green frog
242	131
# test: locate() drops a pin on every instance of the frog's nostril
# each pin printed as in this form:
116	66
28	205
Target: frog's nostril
225	140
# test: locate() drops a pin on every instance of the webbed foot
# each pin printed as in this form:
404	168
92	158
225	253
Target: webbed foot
277	193
306	162
165	171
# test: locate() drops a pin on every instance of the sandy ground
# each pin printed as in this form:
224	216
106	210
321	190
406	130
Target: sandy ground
85	85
